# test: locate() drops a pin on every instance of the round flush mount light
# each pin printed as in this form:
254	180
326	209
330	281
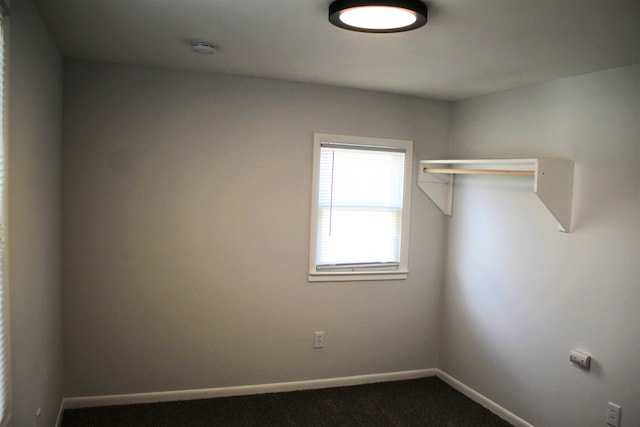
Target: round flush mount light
203	48
378	16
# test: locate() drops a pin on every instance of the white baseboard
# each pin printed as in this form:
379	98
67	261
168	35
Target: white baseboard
208	393
482	400
60	411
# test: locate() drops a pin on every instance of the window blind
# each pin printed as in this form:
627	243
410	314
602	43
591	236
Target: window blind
359	206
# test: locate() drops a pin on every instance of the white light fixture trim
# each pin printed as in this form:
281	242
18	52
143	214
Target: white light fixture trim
378	16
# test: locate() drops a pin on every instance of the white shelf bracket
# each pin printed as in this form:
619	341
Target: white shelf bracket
554	187
439	188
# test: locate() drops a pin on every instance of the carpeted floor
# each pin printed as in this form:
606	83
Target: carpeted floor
422	402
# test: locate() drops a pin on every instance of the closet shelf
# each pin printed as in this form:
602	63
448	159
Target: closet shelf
552	181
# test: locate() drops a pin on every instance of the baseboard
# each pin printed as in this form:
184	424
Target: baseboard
208	393
60	412
482	400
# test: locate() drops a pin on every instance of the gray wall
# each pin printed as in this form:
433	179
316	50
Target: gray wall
186	209
519	294
185	241
35	135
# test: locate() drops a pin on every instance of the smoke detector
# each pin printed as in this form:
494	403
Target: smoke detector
203	48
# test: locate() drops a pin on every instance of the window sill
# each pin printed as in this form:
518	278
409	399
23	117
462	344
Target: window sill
352	276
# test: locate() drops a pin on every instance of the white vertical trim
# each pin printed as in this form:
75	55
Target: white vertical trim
482	400
5	361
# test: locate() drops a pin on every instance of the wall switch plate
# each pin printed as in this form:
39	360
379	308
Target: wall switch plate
318	339
613	415
580	358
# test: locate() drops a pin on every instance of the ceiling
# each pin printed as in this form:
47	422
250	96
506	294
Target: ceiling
467	48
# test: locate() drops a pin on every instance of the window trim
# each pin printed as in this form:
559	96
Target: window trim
401	271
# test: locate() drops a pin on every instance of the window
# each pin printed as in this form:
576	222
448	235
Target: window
360	208
4	333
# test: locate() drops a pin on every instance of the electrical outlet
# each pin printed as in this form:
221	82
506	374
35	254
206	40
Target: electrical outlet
613	415
318	339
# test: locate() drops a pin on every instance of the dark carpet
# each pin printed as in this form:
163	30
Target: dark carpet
421	402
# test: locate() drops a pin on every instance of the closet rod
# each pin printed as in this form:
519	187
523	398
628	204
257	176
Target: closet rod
479	171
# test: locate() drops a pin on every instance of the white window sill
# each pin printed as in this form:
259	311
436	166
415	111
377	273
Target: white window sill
352	276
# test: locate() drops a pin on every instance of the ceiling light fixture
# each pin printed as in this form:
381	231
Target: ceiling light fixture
378	16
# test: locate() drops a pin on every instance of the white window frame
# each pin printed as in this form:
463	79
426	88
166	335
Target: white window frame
401	271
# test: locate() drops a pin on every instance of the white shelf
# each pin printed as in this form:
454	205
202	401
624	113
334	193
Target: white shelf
552	181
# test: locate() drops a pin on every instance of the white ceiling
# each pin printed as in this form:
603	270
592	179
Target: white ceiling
467	48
